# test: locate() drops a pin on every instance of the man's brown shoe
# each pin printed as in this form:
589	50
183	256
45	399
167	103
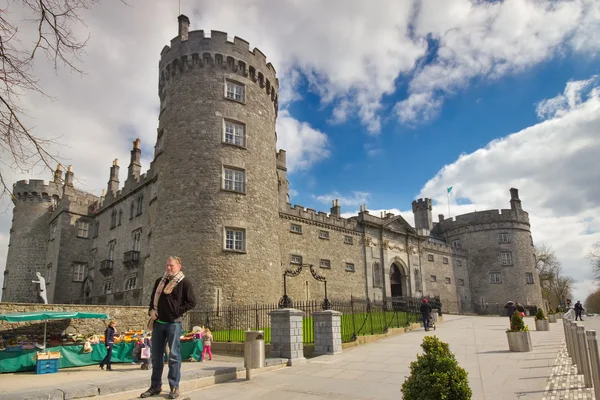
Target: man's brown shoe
174	393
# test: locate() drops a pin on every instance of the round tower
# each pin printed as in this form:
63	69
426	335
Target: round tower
500	248
217	197
30	234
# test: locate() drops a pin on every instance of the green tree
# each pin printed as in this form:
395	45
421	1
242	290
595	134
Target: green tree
592	302
436	374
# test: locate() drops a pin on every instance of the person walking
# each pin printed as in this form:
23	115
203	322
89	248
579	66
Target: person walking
426	314
171	298
510	310
109	341
578	311
206	343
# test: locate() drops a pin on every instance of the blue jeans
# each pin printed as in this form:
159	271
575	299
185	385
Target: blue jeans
426	319
161	335
106	360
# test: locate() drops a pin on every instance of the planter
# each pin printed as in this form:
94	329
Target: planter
542	325
559	315
552	318
519	341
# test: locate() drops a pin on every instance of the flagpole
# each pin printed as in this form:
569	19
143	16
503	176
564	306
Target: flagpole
448	195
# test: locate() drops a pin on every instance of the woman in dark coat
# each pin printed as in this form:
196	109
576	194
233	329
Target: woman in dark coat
109	340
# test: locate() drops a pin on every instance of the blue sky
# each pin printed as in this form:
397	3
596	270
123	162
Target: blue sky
380	103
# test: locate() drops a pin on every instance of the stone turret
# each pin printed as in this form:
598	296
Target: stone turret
220	167
515	202
135	165
422	212
113	182
58	174
69	177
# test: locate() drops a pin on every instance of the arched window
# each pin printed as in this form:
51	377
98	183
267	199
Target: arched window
252	72
261	80
230	62
242	67
218	59
377	275
206	58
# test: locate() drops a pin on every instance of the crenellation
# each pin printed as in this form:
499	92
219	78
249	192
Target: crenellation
320	217
483	217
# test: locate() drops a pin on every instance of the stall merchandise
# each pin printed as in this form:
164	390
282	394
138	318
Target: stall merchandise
74	356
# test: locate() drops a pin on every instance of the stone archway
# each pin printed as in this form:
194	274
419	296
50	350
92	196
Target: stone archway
398	281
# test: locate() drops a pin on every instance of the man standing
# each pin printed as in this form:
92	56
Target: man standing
578	310
171	298
426	314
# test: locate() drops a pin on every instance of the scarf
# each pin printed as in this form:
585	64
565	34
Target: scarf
166	288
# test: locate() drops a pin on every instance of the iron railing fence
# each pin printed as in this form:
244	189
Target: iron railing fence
359	317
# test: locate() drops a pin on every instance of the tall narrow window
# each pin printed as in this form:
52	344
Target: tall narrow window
111	250
235	133
529	278
506	258
120	216
235	239
137	236
234	91
132	210
78	272
377	275
108	286
130	282
140	204
234	179
83	229
49	273
53	231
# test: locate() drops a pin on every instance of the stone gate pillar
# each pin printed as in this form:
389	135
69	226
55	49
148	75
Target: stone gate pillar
328	332
286	335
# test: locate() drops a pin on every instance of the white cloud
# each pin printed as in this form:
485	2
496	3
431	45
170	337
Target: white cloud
492	39
553	165
304	145
563	103
355	198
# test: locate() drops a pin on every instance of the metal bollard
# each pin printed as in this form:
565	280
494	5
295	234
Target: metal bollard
575	347
585	358
592	343
568	338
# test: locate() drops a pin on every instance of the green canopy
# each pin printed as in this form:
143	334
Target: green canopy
48	315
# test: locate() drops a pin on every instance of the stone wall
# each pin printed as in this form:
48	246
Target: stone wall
313	248
127	318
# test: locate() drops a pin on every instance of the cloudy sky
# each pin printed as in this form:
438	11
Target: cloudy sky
381	103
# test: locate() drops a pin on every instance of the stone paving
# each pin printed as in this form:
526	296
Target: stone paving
377	370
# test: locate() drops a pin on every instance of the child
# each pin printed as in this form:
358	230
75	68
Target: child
109	340
141	352
206	343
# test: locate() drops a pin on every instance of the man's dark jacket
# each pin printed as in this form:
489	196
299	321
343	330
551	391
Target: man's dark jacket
171	307
425	309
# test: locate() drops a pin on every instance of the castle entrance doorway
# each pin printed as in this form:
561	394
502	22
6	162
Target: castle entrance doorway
398	281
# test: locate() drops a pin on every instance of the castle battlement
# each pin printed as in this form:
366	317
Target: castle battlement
281	160
217	51
36	189
111	199
484	217
318	217
428	245
421	204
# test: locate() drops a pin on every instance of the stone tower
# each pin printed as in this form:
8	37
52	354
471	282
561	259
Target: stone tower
422	212
30	235
501	254
217	196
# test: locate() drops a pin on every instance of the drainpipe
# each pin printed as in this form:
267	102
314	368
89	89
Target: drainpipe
383	263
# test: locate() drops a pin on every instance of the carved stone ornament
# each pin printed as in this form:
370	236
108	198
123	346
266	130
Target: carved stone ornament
385	244
368	240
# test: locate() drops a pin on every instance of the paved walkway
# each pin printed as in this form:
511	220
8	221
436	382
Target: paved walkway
376	371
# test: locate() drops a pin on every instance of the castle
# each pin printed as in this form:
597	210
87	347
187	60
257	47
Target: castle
216	194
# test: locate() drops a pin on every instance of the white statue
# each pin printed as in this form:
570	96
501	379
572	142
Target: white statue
42	288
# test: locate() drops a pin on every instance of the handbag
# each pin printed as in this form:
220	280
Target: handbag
145	353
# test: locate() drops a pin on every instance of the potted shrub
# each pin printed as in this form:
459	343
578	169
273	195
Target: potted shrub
436	374
518	335
551	317
541	322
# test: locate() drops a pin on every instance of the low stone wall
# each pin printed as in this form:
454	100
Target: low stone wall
127	318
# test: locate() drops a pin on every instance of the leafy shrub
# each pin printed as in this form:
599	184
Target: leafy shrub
550	312
540	314
517	324
436	374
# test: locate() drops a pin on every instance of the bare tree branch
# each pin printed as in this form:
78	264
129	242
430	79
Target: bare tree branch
546	264
54	20
594	257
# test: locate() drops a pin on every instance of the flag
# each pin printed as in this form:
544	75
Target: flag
450	189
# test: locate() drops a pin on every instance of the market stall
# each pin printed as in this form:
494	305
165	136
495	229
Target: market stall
19	354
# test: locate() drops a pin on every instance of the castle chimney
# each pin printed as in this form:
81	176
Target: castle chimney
515	203
184	27
422	212
69	177
335	208
58	174
440	217
135	166
113	182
